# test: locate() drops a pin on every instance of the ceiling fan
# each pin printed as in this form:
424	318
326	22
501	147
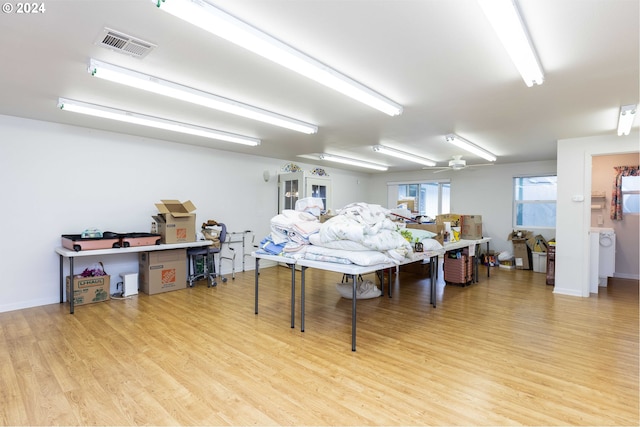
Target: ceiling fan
456	163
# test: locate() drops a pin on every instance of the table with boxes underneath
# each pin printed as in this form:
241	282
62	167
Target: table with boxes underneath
460	257
167	261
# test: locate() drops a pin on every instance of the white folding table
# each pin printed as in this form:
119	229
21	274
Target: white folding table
354	271
71	255
291	263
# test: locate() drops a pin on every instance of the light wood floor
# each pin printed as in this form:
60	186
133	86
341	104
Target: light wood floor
505	351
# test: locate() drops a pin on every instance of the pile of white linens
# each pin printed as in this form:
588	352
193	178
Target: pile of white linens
360	233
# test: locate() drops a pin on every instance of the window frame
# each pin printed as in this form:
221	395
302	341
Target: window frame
516	203
394	188
628	192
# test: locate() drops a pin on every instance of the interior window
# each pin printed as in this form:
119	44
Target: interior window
427	198
534	201
630	194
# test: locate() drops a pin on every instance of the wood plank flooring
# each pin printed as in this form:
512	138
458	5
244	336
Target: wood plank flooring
504	351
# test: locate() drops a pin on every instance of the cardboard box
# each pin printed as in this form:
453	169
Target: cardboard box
471	227
434	228
454	219
176	221
162	271
420	268
87	290
538	243
522	254
409	203
539	262
522	234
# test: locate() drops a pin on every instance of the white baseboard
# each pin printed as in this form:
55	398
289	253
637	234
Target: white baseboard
627	276
570	292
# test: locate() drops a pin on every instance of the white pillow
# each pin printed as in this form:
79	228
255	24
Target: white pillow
431	245
420	234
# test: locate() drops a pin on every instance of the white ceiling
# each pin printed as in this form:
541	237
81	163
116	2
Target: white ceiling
438	58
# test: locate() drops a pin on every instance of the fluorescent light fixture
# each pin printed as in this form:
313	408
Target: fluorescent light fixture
157	85
402	155
208	17
627	114
348	161
470	147
510	28
156	122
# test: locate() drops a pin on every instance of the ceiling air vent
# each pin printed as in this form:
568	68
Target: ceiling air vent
123	43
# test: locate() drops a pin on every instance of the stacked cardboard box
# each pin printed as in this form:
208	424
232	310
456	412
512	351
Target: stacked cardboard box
162	271
87	290
438	229
471	227
421	268
454	219
176	221
522	254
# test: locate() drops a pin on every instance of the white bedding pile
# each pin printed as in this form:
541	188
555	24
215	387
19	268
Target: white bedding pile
293	228
362	234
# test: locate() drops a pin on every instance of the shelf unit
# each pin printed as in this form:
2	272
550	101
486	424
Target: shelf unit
598	200
298	185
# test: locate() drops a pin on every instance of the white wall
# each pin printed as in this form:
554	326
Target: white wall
485	191
58	179
574	218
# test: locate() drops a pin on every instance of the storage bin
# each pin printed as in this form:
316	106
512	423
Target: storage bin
539	262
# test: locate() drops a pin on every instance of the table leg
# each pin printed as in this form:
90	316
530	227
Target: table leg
257	273
61	279
476	263
389	277
353	315
302	271
71	290
293	294
243	234
433	265
488	263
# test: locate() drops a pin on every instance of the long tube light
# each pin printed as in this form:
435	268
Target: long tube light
470	147
402	155
511	30
155	122
157	85
627	114
352	162
208	17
